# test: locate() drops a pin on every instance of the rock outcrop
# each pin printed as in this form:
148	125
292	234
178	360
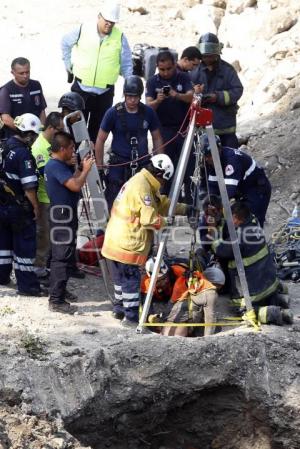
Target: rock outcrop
126	391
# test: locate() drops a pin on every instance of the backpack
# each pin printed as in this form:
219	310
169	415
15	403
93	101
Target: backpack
144	59
138	55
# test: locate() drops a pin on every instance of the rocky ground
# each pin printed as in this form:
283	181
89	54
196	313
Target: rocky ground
107	386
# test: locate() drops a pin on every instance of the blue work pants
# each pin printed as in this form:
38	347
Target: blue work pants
18	246
127	285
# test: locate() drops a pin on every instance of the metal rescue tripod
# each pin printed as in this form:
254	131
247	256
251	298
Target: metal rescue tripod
200	119
92	191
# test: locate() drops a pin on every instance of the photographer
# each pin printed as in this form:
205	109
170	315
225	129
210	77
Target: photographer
170	93
63	187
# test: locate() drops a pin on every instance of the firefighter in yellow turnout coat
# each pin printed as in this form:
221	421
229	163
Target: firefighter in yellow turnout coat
138	210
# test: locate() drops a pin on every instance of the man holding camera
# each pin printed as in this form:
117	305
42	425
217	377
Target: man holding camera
63	187
170	93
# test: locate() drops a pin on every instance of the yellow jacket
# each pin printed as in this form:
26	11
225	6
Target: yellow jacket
136	213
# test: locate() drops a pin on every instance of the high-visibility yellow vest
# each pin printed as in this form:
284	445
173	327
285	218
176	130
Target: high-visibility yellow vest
96	63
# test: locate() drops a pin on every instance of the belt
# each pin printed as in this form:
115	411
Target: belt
108	86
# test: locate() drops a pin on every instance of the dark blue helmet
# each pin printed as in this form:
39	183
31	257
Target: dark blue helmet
205	147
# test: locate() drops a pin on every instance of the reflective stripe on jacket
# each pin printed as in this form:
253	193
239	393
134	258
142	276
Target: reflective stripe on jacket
137	211
96	63
259	265
225	83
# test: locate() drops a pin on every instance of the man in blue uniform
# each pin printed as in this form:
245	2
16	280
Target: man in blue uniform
63	187
170	93
19	207
221	88
21	95
244	179
129	123
96	54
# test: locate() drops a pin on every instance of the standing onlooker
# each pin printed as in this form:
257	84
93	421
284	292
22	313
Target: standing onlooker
189	60
129	123
21	95
63	187
96	53
71	102
221	88
41	153
170	93
19	207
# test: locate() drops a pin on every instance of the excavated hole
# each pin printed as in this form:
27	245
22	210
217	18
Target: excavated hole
218	418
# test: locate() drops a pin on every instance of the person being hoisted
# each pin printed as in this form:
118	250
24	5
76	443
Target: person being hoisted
181	296
129	123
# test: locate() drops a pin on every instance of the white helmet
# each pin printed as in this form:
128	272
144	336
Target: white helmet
150	266
111	11
28	122
163	163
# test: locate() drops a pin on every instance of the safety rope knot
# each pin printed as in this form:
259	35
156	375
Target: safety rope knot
250	319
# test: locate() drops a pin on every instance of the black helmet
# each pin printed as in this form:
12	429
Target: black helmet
205	145
209	44
133	86
72	101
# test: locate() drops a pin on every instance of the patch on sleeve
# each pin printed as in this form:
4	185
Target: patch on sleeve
147	200
229	170
28	164
121	191
40	159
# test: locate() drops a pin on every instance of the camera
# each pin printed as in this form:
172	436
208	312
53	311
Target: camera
166	90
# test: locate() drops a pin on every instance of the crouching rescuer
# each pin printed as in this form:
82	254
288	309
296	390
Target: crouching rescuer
137	212
264	287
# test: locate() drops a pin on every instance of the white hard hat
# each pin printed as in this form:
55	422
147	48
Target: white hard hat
150	266
110	11
163	163
28	122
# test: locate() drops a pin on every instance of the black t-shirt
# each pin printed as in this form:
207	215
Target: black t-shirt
17	100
